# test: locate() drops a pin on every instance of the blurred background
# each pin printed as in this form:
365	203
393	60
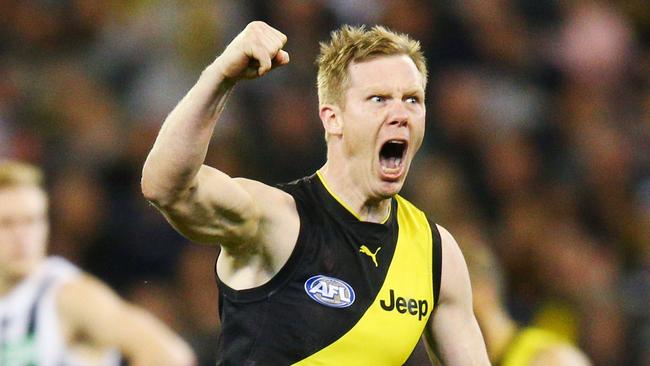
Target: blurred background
537	145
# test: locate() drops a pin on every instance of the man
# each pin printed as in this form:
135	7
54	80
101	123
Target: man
508	343
51	313
335	268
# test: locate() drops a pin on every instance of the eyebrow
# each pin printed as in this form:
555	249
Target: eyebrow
384	91
419	92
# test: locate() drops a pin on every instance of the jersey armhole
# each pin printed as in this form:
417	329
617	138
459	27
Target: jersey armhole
437	261
279	280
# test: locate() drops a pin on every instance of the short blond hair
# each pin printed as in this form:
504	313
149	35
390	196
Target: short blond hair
14	173
351	44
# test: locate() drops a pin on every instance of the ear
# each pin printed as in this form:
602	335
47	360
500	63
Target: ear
330	115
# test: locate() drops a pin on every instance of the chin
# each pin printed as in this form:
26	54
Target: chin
390	189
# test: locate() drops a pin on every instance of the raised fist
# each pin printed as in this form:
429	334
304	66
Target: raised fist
254	52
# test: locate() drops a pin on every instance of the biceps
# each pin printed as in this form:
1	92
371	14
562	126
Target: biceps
457	336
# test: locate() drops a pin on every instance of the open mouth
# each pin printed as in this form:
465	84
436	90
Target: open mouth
391	157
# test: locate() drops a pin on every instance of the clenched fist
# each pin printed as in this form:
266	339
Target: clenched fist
254	52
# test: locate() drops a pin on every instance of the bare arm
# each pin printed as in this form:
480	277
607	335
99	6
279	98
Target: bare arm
203	203
91	311
453	329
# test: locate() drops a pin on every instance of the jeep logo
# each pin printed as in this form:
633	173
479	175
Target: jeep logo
402	305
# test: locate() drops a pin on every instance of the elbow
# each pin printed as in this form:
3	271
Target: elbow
158	194
152	193
147	186
152	185
149	190
163	189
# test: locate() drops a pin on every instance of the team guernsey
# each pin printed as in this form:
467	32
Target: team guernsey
351	292
30	333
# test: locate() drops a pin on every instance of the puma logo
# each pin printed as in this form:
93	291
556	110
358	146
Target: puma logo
364	249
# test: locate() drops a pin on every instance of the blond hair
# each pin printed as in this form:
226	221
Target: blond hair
353	44
17	174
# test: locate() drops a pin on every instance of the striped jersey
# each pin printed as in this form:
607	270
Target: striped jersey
30	332
351	292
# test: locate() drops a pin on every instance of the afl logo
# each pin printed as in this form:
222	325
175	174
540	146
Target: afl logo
330	291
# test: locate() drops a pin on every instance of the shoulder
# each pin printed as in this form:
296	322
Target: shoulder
82	286
84	296
455	283
452	256
55	265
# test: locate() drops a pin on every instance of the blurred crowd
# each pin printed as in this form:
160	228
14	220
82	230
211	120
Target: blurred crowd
537	145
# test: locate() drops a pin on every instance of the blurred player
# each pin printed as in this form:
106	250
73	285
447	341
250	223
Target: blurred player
508	343
335	268
53	314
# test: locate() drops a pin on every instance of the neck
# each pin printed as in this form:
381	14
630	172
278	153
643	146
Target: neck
498	329
10	279
342	184
7	283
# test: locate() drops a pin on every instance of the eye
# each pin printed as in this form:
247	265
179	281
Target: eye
377	98
412	100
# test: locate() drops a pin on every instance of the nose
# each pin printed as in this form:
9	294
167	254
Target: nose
398	114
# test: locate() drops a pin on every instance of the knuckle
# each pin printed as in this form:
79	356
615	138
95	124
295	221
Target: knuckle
257	25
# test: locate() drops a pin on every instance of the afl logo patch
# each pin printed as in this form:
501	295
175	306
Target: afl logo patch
330	291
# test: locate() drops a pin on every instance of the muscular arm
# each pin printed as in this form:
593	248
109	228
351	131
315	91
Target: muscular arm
453	330
89	310
203	203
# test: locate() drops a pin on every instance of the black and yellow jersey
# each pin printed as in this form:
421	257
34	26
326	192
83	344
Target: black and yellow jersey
527	344
351	292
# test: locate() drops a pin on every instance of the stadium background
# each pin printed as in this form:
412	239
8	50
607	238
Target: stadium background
538	141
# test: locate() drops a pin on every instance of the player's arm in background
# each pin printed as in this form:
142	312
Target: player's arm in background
453	330
91	312
203	203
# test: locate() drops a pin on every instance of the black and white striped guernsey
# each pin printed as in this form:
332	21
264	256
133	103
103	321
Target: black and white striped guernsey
30	330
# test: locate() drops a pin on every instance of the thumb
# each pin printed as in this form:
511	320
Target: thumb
281	58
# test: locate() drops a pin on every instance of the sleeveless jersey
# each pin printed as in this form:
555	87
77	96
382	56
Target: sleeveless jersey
526	344
351	292
30	333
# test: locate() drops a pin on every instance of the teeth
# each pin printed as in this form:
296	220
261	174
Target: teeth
393	162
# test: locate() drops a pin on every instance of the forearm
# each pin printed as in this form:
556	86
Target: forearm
462	345
182	143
